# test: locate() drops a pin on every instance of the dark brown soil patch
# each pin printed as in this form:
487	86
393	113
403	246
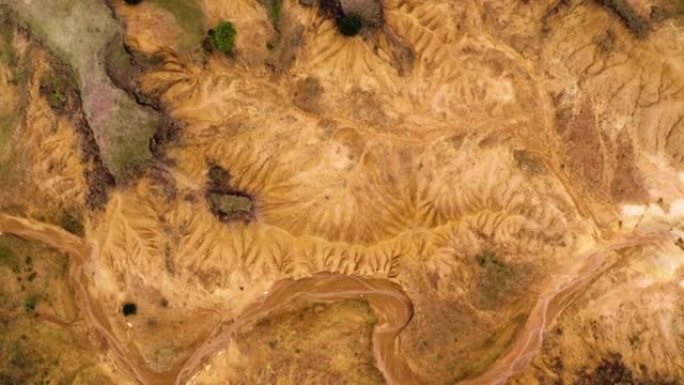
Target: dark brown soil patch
627	183
582	144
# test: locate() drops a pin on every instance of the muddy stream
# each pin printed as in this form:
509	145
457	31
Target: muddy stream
391	306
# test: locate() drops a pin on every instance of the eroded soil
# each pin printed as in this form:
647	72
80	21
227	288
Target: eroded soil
464	192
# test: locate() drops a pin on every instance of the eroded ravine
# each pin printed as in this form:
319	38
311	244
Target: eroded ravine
391	306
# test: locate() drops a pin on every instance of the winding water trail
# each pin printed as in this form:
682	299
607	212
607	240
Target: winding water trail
391	306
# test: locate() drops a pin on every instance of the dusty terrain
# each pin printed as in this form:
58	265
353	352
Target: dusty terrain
472	192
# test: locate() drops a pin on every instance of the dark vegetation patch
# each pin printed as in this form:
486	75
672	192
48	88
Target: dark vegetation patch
350	25
29	304
124	66
222	37
53	89
498	282
611	370
219	178
133	2
72	222
227	203
630	18
129	308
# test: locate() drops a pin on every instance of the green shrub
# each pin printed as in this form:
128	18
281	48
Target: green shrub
129	308
350	25
29	304
680	6
223	37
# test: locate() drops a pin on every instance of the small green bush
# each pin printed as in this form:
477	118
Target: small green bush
680	6
350	25
29	304
223	37
129	308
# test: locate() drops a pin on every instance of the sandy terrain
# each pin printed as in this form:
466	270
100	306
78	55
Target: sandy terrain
464	192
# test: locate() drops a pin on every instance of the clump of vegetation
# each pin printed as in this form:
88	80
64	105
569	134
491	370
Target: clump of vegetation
350	25
219	178
72	223
222	37
495	277
680	6
52	87
274	8
230	206
226	202
612	370
29	304
635	23
129	308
